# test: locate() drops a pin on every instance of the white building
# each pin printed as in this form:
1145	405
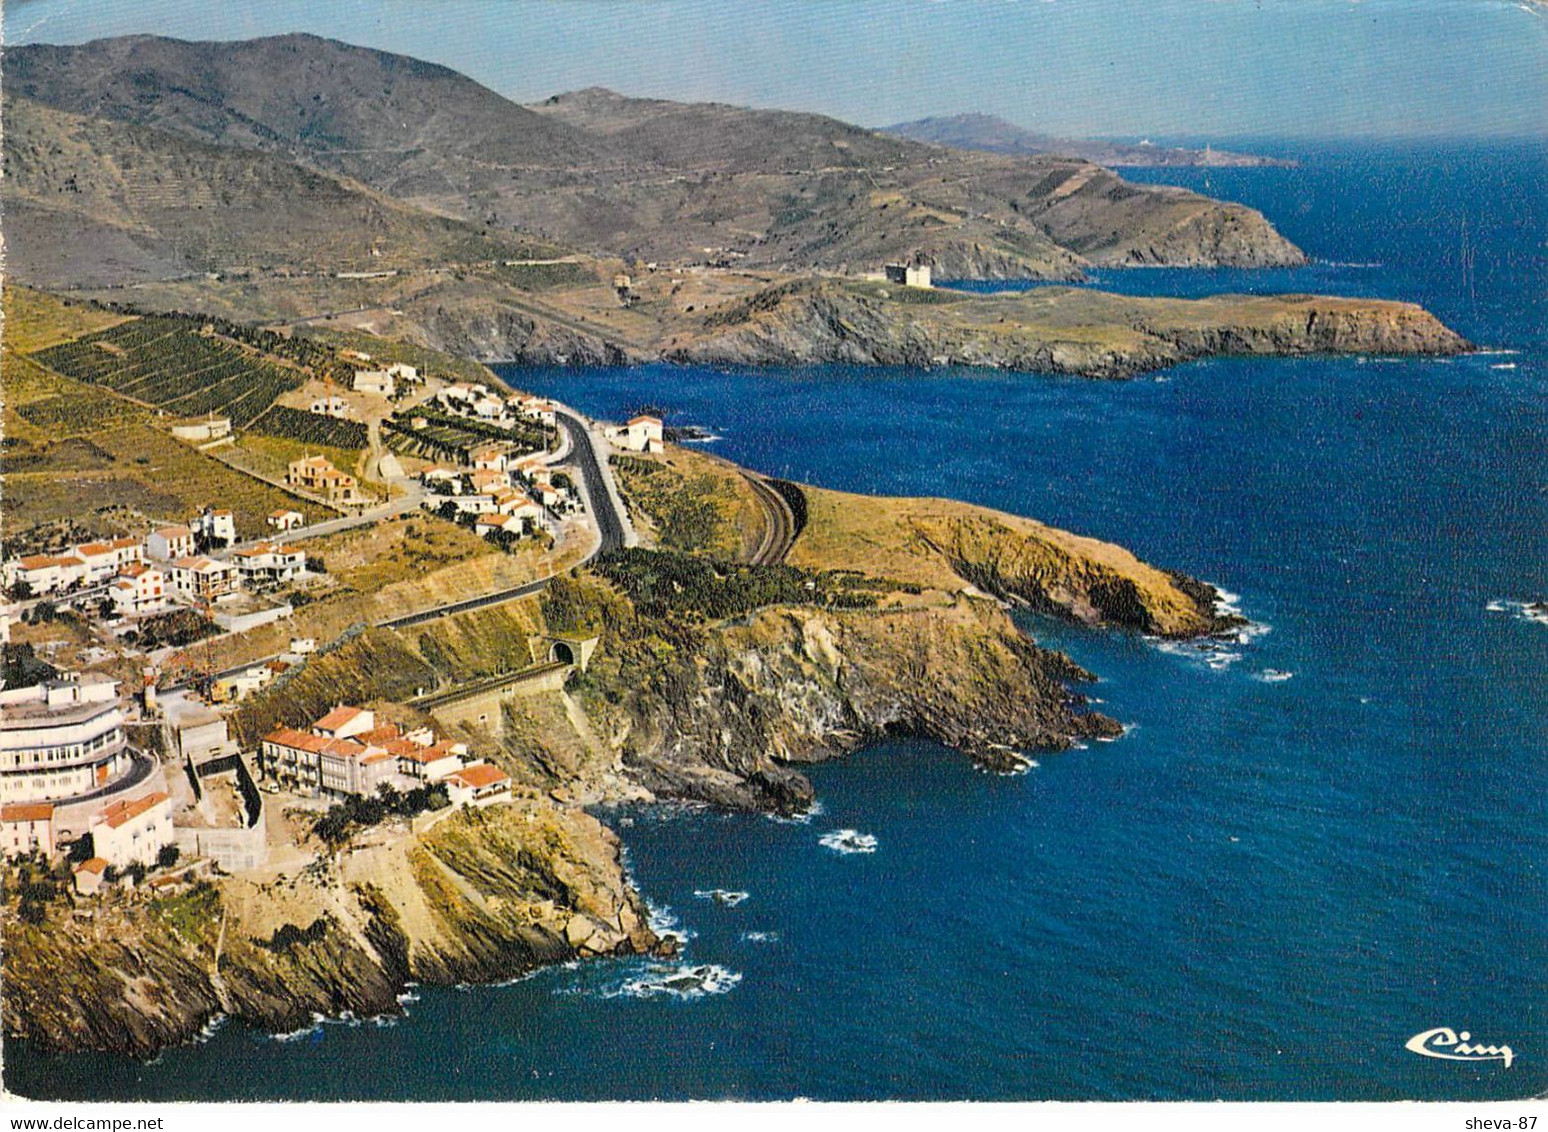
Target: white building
286	520
910	275
334	406
269	562
378	382
128	831
217	527
481	784
640	434
139	589
60	738
348	752
169	543
202	579
27	827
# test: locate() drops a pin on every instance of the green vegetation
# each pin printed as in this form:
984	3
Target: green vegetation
188	366
176	629
693	513
543	276
343	818
311	428
671	584
447	436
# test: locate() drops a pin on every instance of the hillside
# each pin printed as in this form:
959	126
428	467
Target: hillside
91	201
996	135
654	180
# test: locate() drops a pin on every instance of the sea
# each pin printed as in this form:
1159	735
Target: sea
1312	844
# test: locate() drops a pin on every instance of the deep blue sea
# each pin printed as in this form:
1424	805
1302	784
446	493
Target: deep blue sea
1307	849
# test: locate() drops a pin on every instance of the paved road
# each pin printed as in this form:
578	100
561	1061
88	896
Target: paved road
599	505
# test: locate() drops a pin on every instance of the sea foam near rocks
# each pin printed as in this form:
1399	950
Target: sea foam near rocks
728	897
684	982
1533	611
848	841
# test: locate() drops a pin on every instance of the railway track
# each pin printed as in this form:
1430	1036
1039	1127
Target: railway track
781	529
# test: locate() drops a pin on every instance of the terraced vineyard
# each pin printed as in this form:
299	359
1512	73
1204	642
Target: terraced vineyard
449	437
169	363
311	428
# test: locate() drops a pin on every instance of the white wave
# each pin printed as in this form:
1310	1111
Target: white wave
685	982
848	841
210	1028
803	818
1503	365
1274	675
710	439
664	922
760	937
305	1031
1534	611
724	896
1340	263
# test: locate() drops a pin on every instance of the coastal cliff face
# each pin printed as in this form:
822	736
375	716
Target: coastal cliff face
1054	331
797	685
481	896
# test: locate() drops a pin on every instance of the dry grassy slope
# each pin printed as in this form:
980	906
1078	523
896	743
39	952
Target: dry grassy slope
693	502
936	544
151	203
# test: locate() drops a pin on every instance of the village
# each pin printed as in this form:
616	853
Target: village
117	786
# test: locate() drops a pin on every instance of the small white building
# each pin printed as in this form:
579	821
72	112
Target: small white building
139	589
270	562
334	406
209	428
910	275
26	827
286	520
202	579
216	526
641	434
481	784
402	372
128	831
377	382
170	543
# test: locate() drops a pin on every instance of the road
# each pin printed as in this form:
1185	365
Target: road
780	530
611	525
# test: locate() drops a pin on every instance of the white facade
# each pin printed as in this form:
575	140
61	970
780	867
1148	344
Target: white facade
125	832
378	382
59	739
168	543
139	590
642	434
27	827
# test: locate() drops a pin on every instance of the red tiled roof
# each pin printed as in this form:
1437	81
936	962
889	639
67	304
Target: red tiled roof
170	533
338	717
299	740
118	813
27	811
94	865
484	774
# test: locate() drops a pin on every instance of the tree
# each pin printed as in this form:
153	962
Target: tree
168	856
83	848
31	912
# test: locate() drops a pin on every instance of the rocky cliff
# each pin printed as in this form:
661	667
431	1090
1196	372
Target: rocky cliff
480	896
1053	330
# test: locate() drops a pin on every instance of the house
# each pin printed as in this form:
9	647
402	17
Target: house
481	784
201	578
490	457
640	434
375	381
138	589
90	875
170	543
104	559
442	481
489	524
486	479
317	474
402	372
348	752
128	831
45	573
214	527
27	827
270	562
237	686
540	410
474	504
332	406
286	520
910	275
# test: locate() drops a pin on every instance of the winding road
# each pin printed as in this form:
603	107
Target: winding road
600	504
